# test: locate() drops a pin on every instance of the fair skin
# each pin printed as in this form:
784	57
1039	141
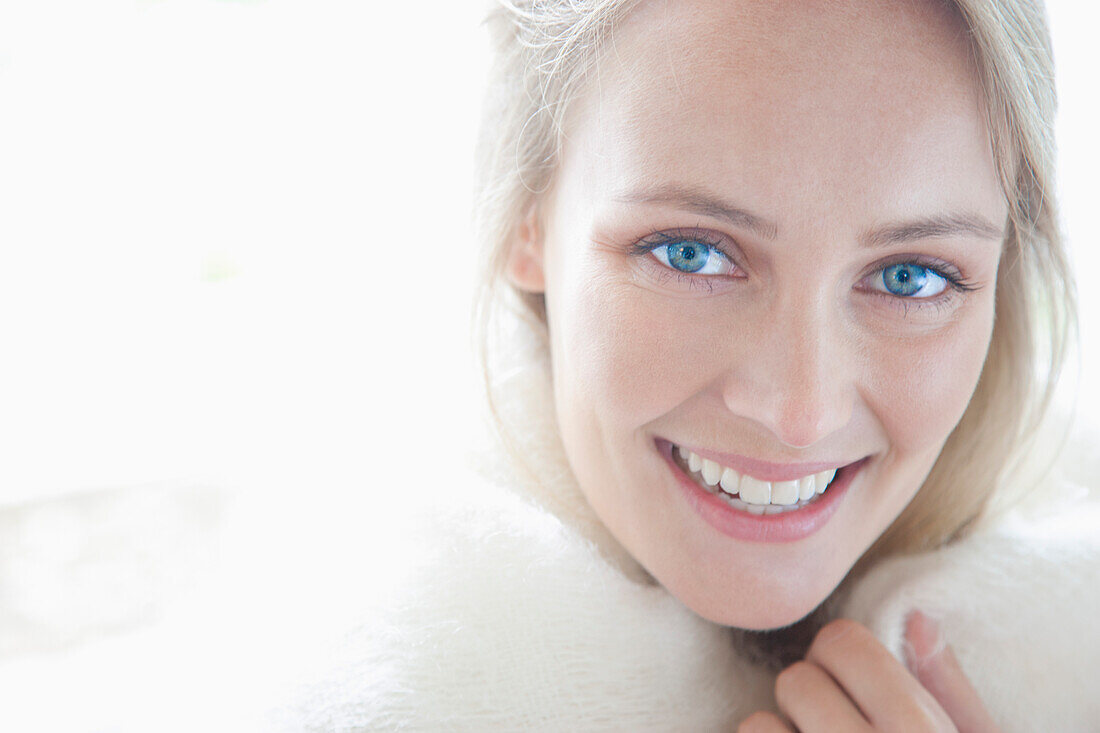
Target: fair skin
848	138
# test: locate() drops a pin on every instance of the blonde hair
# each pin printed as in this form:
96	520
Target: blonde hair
546	49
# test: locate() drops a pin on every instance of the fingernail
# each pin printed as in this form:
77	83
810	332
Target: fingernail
923	637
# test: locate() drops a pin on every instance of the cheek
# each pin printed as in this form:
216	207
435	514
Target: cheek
922	388
626	354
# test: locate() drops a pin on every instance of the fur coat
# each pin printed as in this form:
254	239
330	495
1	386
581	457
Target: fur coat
503	604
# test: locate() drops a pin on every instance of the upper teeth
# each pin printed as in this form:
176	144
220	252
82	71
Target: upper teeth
753	490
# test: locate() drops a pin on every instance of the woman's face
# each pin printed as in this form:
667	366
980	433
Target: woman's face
773	239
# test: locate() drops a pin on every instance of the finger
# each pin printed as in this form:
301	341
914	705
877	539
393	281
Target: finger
936	668
814	701
880	686
764	722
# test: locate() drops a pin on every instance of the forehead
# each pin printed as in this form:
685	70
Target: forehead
782	99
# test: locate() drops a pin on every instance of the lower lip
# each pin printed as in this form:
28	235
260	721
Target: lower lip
785	527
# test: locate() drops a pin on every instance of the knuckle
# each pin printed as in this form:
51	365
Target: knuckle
793	679
836	633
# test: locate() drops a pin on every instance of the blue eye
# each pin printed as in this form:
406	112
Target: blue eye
908	279
692	257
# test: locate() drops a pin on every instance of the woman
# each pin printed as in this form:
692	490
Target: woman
784	275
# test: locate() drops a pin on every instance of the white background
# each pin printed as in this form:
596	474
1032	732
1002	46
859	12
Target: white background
234	236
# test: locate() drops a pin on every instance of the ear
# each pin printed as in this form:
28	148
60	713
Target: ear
525	268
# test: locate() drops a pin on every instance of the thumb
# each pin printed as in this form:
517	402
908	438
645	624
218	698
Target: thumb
933	663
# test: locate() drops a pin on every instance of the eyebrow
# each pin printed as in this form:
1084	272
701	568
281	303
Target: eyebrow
701	202
946	225
707	204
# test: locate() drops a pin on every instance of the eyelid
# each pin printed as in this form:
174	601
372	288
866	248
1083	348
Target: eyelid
943	269
658	238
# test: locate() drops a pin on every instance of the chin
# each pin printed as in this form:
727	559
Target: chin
758	619
763	610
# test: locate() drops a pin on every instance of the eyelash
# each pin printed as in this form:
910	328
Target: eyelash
956	283
656	239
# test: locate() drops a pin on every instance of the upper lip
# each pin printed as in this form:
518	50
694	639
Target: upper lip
765	470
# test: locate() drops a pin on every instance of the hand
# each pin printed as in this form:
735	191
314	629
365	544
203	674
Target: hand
849	682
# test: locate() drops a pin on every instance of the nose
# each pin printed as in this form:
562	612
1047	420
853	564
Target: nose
794	377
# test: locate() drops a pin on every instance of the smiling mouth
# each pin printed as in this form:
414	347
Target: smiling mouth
753	495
